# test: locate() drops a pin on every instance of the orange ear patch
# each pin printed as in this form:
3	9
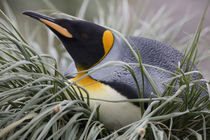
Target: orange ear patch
108	40
63	31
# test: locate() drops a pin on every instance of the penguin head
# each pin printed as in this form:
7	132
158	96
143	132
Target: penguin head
86	42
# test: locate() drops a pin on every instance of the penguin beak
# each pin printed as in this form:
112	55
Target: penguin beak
38	16
50	22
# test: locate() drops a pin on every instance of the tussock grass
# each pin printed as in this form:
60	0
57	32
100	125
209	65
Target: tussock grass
36	103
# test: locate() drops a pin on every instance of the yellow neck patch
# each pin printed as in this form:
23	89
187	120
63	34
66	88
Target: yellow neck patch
87	82
63	31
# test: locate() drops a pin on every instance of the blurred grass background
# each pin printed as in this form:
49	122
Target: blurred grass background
172	22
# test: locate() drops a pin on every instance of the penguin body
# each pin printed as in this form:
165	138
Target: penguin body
118	83
152	53
91	45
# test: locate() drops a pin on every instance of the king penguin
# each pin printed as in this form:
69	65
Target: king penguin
91	45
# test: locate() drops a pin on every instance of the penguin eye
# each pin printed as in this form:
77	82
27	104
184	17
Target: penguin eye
84	36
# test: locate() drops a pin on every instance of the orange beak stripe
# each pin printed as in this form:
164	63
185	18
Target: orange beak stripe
58	28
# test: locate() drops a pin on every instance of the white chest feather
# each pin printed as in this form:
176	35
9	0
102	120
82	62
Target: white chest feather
114	115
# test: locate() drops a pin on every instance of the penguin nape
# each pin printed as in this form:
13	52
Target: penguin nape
91	45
